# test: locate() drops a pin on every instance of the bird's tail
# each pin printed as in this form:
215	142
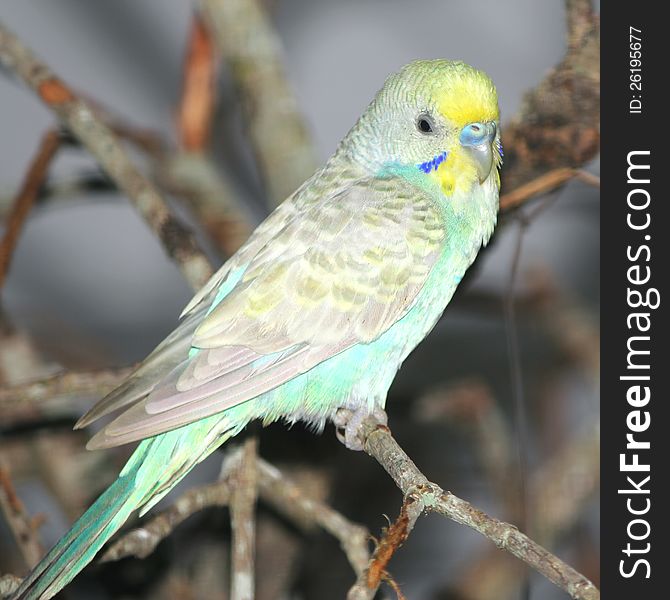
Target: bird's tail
79	545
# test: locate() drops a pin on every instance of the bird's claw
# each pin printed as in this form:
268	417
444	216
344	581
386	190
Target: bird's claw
348	423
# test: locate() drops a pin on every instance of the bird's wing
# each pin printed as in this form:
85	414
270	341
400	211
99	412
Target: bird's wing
172	351
341	273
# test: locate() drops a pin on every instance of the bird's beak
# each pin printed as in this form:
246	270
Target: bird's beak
481	150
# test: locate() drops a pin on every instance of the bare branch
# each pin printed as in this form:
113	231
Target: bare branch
142	541
307	512
274	488
25	199
36	397
195	177
393	538
559	491
23	528
197	102
544	184
380	444
242	518
253	50
82	121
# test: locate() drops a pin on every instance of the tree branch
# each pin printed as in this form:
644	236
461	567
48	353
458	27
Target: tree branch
365	587
23	203
142	541
196	108
253	50
82	121
24	529
544	184
290	500
380	444
242	519
38	396
274	488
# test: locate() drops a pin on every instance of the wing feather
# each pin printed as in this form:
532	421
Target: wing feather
337	274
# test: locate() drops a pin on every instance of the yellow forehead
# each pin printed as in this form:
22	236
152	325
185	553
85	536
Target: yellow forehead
466	98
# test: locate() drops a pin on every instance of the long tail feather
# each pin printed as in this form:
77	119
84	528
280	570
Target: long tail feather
155	467
79	545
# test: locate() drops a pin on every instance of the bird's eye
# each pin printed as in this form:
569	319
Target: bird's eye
424	123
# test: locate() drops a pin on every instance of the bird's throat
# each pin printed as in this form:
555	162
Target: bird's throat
455	173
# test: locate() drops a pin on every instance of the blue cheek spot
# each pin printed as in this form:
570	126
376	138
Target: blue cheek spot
458	278
434	163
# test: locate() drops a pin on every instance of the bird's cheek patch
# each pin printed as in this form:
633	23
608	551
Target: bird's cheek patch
434	163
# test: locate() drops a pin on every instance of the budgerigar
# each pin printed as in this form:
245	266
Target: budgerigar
320	307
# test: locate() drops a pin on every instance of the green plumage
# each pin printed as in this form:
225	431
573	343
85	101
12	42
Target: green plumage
320	307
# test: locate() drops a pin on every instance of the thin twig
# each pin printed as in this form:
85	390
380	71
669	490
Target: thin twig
380	444
142	541
36	396
242	518
250	45
22	526
544	184
191	172
393	538
23	203
81	120
274	488
196	108
290	500
195	177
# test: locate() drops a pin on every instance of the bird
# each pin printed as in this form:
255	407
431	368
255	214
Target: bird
316	312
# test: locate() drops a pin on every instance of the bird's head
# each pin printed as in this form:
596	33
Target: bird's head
439	117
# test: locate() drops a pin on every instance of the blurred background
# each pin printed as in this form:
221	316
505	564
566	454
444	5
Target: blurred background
91	288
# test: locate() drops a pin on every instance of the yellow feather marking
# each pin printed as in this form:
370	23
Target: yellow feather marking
392	275
320	263
375	255
259	304
266	275
363	285
468	98
345	298
310	290
456	174
419	244
372	219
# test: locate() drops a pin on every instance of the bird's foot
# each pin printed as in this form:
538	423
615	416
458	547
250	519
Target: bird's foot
348	423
